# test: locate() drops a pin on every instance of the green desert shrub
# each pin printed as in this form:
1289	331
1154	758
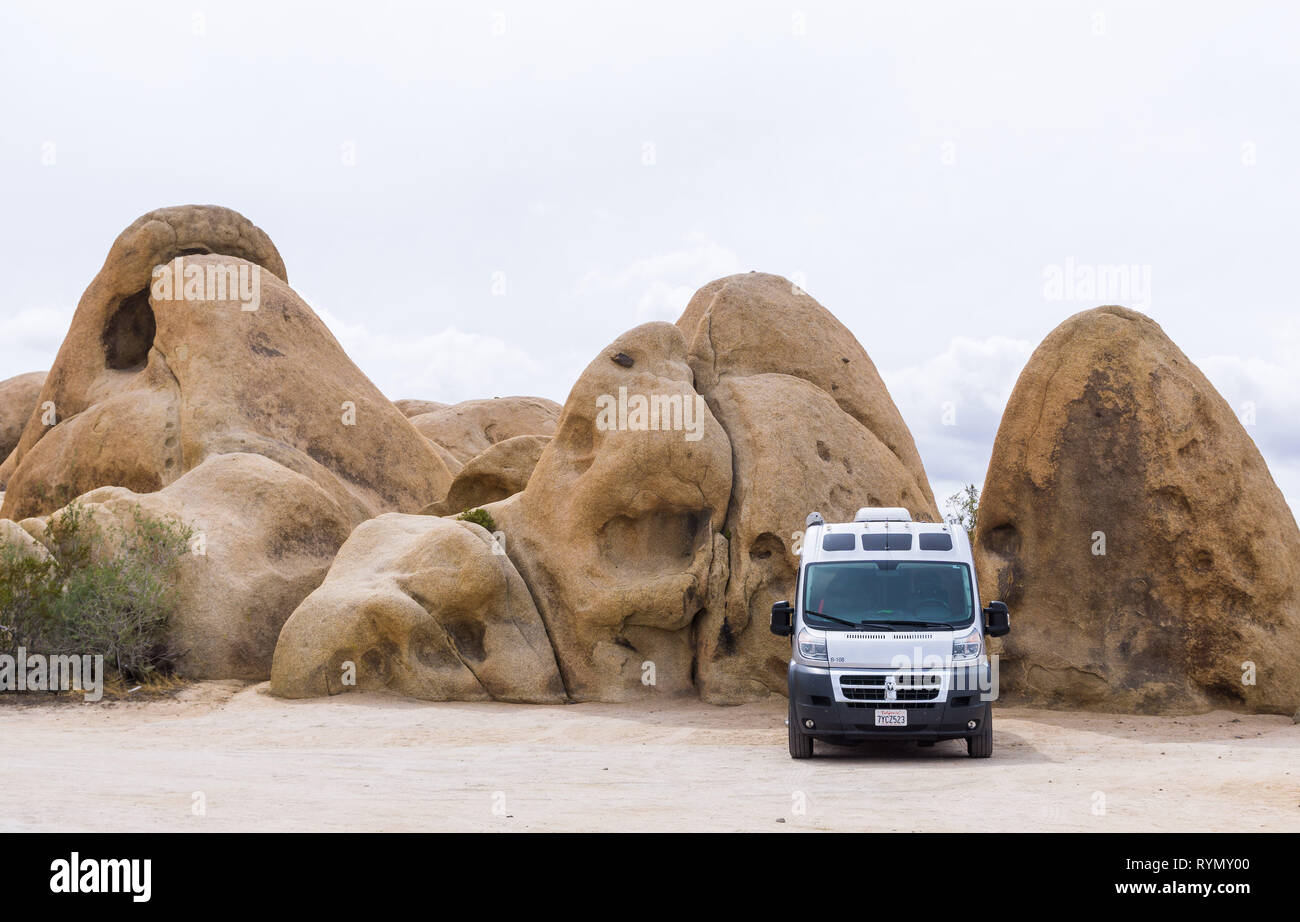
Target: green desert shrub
479	517
964	509
109	591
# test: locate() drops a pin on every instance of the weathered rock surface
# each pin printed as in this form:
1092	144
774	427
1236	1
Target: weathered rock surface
452	463
13	535
18	399
1113	435
147	387
411	408
264	538
756	323
500	471
470	428
812	427
616	533
420	606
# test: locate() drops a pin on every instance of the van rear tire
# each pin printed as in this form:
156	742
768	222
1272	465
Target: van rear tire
801	744
979	745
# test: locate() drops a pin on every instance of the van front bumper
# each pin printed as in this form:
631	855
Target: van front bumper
813	696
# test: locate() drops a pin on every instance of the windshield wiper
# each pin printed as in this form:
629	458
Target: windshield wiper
817	614
884	624
930	624
894	624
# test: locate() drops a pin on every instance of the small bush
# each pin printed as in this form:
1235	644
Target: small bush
479	517
964	509
100	592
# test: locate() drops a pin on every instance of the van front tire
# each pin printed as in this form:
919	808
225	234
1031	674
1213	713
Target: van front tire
979	745
801	744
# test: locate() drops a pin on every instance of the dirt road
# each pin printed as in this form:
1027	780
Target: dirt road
367	762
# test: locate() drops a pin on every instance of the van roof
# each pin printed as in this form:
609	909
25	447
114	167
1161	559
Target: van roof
886	539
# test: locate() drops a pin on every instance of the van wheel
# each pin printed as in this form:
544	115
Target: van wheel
980	744
801	744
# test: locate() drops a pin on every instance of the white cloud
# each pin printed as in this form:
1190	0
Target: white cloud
30	339
450	365
969	383
662	301
661	285
953	403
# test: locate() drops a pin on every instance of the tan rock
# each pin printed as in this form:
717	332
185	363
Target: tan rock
812	427
794	451
616	533
18	400
470	428
500	471
411	408
420	606
1111	431
146	388
757	323
264	538
12	535
453	464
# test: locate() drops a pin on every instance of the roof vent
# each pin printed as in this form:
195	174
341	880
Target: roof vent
814	518
882	514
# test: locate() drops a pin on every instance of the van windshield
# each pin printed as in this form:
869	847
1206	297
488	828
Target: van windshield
890	593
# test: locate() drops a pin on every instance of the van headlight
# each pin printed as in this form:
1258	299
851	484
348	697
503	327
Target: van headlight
812	644
967	648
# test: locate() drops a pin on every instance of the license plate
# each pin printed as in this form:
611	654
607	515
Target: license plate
893	718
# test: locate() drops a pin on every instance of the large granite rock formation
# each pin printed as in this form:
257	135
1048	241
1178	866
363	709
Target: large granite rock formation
153	379
1150	562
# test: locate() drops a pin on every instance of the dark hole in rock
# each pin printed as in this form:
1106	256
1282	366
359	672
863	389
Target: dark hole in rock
655	542
765	545
1225	694
1003	540
129	334
623	359
374	667
468	636
726	639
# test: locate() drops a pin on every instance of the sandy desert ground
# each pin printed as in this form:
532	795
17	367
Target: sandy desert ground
369	762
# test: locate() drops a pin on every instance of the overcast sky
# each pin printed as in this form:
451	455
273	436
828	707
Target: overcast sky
919	168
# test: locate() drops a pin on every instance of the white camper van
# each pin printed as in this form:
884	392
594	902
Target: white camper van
889	641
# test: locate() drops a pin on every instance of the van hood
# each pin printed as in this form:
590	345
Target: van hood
883	649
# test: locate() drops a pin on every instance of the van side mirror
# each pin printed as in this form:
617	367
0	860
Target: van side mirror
782	619
997	619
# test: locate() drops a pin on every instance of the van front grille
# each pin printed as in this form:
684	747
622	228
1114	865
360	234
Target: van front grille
908	687
902	694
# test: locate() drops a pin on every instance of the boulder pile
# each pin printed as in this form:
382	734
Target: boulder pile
629	544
